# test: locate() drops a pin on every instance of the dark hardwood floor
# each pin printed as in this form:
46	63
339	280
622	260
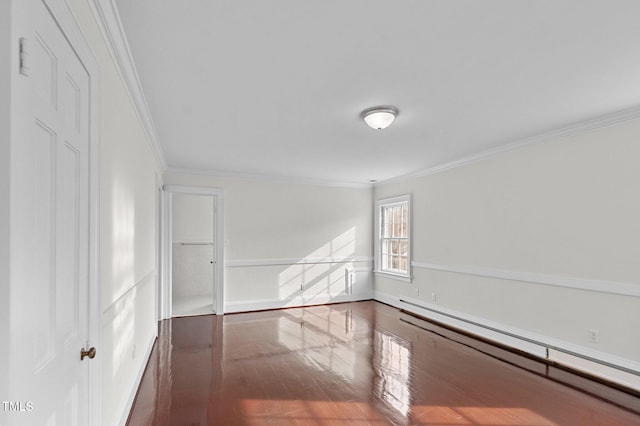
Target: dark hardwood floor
359	363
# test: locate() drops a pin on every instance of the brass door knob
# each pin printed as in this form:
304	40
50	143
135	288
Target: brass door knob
91	353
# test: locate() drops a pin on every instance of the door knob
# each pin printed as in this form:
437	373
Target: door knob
91	353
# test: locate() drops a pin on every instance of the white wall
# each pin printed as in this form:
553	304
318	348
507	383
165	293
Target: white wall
280	235
542	240
128	168
192	217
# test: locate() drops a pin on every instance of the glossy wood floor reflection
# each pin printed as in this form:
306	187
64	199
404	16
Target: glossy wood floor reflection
359	363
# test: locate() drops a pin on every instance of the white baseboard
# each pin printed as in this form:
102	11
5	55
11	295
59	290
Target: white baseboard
446	316
135	385
298	301
608	373
592	361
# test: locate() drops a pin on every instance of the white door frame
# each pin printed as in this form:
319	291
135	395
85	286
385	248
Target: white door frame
159	235
167	239
7	66
62	14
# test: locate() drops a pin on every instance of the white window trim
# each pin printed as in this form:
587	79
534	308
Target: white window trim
387	202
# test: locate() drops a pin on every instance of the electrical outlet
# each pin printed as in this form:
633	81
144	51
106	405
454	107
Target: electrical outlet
594	335
434	297
417	291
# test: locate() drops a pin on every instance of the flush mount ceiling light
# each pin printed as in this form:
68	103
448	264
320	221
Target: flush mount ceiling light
379	117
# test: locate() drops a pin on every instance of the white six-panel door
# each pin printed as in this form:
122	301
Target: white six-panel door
50	225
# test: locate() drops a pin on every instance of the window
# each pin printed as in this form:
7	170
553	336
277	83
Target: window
393	247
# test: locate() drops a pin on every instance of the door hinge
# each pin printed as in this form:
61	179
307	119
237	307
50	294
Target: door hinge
25	56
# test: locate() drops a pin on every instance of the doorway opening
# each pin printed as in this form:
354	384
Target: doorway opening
193	252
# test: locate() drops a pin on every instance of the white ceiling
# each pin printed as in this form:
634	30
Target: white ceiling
275	88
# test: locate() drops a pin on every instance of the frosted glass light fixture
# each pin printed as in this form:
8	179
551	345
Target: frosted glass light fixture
380	117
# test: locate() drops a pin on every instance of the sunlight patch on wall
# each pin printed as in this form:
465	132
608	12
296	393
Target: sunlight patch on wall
122	332
122	240
119	314
316	272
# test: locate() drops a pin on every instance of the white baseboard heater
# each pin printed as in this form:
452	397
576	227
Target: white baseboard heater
544	344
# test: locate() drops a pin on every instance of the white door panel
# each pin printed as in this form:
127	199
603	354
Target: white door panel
50	236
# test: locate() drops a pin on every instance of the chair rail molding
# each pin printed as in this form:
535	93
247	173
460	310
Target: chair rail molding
237	263
613	287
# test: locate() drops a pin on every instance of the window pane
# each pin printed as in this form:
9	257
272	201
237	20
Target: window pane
383	222
405	217
403	245
387	262
397	221
386	247
387	218
391	221
394	246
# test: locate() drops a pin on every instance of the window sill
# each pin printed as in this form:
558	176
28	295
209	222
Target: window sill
391	275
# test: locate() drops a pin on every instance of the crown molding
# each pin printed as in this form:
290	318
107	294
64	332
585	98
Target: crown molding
269	178
574	129
106	13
